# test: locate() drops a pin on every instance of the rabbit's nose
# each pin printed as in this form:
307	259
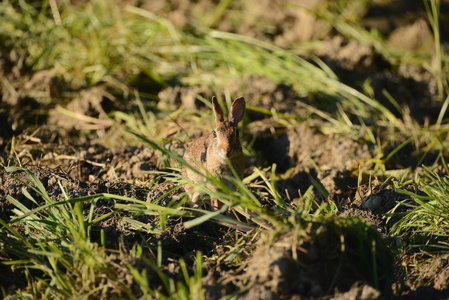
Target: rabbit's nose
227	151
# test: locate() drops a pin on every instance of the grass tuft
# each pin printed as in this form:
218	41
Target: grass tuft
426	224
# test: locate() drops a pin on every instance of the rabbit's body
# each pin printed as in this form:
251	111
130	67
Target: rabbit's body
216	151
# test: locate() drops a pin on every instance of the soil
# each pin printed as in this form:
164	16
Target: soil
289	265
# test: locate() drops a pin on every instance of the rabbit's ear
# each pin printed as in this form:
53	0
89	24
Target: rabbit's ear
237	111
218	112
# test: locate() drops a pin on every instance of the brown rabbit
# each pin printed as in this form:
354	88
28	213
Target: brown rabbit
215	149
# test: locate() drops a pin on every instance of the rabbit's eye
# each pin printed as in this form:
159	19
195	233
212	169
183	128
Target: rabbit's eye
214	133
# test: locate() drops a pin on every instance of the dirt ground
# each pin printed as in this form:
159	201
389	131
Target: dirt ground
288	267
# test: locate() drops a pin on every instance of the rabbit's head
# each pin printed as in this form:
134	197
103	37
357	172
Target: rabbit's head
226	135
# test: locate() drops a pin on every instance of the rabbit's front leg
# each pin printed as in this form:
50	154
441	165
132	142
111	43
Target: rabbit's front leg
215	204
193	199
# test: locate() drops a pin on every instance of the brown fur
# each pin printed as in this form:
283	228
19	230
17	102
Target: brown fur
214	150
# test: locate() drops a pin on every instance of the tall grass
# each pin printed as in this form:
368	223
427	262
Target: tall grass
91	44
433	13
55	244
54	247
95	44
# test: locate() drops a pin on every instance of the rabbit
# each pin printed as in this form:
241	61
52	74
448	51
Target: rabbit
215	149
